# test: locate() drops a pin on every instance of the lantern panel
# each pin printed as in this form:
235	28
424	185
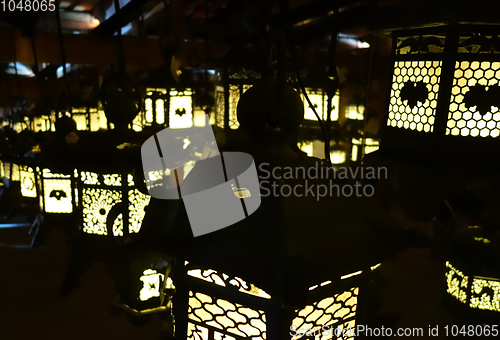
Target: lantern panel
213	276
15	173
457	283
328	312
472	111
370	145
96	204
355	112
79	115
181	109
6	170
319	99
152	281
57	192
137	202
41	124
414	95
205	311
485	294
220	106
28	182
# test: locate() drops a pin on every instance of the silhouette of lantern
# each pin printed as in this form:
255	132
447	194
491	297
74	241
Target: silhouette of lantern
319	99
443	89
114	197
58	192
166	108
472	276
221	306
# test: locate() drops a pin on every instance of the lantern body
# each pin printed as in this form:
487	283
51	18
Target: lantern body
473	289
166	108
11	171
29	181
360	149
319	99
100	193
89	118
58	192
221	306
444	79
232	86
42	124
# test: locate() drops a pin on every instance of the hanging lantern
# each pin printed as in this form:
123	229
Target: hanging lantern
163	107
102	193
42	123
444	79
29	177
89	118
58	192
221	306
361	148
319	99
472	275
355	110
316	148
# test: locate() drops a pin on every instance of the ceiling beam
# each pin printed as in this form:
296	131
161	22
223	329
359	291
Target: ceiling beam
82	49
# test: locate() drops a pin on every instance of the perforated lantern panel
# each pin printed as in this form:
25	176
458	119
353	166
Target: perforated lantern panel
216	316
57	192
414	95
102	192
476	292
445	92
338	311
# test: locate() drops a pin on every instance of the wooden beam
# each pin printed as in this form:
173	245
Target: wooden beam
80	49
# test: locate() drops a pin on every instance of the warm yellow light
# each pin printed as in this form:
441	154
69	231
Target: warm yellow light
468	121
28	182
219	279
457	283
151	281
306	147
370	146
41	124
57	192
420	117
319	99
355	112
350	275
338	156
485	294
97	202
327	312
181	109
232	318
15	174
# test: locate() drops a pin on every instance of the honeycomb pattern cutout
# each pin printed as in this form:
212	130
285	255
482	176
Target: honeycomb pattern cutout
463	121
421	116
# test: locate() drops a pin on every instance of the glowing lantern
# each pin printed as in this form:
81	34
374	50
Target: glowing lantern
166	108
354	111
472	279
89	118
58	192
220	306
319	99
316	148
42	123
102	194
29	181
361	148
11	171
228	90
443	84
